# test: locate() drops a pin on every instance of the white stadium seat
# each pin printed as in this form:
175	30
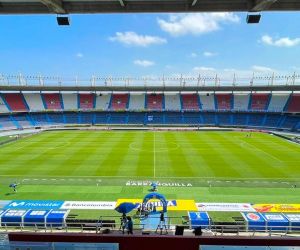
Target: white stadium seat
34	101
137	102
172	102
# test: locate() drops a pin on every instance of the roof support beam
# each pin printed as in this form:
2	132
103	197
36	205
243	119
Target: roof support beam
194	2
55	6
260	5
122	3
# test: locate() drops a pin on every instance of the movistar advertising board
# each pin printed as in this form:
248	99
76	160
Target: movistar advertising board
34	204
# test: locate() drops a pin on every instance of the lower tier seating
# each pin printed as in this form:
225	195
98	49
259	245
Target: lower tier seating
188	118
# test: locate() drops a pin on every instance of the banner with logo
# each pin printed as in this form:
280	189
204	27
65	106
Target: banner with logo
173	205
98	205
225	207
34	204
279	208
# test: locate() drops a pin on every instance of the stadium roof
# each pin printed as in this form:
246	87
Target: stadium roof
135	6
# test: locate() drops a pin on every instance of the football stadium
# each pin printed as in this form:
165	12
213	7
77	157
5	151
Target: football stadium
172	162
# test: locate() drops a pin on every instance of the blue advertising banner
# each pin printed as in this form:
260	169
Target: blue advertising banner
255	221
34	204
199	219
276	221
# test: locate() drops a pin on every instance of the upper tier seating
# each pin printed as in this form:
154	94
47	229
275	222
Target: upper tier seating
102	101
52	101
154	102
190	102
207	102
224	101
119	101
278	102
137	102
86	101
241	102
172	102
3	107
70	101
294	103
34	101
15	101
259	102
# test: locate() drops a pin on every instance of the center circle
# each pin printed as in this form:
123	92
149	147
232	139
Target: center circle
159	146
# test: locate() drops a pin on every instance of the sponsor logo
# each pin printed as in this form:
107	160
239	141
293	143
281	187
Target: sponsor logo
280	208
225	207
162	184
276	217
253	217
30	204
293	217
173	205
99	205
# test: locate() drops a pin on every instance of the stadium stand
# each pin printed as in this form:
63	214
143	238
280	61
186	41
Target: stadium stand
86	101
241	102
7	123
70	101
207	102
172	102
52	101
277	102
190	102
137	102
294	103
69	108
155	102
3	107
15	101
259	102
224	101
119	102
34	101
102	101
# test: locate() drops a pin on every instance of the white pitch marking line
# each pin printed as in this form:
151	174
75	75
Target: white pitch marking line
154	160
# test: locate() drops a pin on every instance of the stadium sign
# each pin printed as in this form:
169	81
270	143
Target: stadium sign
225	207
34	204
99	205
162	184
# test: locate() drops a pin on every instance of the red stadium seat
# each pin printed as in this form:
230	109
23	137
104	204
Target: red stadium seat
190	102
15	101
155	102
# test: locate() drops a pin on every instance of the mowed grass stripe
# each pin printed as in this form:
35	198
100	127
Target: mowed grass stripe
144	151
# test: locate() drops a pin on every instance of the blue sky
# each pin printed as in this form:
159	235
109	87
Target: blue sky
150	44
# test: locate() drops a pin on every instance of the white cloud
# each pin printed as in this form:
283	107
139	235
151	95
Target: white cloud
79	55
193	55
257	68
196	24
209	54
143	63
280	42
134	39
204	69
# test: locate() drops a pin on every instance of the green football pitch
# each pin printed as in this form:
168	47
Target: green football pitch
214	166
